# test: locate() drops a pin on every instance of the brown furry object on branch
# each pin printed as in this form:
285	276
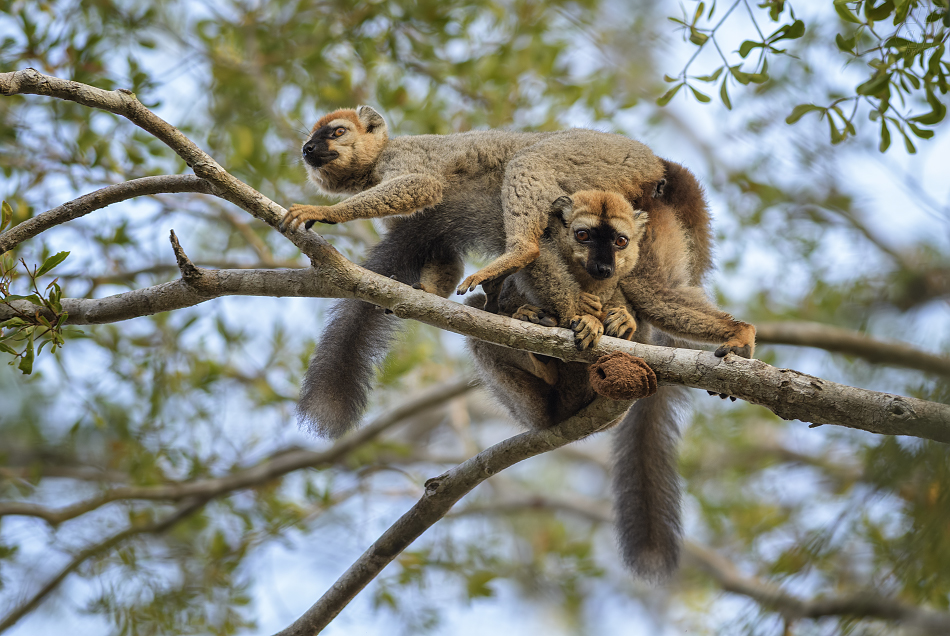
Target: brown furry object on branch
621	376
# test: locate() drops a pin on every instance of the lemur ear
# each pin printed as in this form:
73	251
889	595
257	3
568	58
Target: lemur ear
562	207
371	120
658	189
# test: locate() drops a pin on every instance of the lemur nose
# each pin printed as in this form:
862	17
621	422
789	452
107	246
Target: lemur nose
604	270
308	149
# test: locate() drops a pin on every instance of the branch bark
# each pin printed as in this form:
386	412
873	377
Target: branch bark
837	340
441	493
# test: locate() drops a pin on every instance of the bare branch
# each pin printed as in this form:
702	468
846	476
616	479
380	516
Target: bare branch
813	334
271	468
98	200
441	493
867	604
153	527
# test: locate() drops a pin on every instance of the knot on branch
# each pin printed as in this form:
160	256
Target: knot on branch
189	273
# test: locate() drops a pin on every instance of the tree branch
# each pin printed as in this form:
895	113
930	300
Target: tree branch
98	200
837	340
154	527
271	468
860	605
787	393
123	102
441	493
867	604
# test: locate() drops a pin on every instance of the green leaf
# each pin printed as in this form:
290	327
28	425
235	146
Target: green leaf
845	13
26	360
879	12
746	47
697	38
52	262
724	95
846	45
908	143
920	132
711	78
667	78
33	298
700	96
885	136
668	95
877	86
6	214
799	111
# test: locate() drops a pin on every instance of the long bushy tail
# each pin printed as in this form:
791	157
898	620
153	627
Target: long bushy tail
336	387
646	483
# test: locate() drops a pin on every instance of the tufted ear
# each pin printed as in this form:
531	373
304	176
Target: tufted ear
659	188
563	207
372	121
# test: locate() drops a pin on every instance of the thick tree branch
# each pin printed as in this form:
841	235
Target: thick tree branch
787	393
123	102
271	468
441	493
837	340
98	200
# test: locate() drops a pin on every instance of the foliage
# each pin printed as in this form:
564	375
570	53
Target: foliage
908	63
199	394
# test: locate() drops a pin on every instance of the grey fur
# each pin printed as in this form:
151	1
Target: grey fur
444	196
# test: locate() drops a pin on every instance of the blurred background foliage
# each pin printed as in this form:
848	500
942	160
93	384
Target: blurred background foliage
814	224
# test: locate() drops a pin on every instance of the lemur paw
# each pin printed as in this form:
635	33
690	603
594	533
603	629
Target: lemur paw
587	331
590	304
306	214
478	278
742	344
530	313
619	323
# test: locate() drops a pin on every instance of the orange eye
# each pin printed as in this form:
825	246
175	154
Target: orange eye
621	242
582	235
339	131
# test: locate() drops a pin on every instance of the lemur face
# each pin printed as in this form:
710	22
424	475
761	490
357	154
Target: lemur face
601	232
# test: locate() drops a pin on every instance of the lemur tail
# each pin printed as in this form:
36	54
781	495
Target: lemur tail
336	387
646	483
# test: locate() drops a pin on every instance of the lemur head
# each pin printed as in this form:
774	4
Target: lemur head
600	231
343	143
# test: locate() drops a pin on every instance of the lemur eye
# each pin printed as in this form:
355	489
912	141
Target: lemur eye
582	235
621	242
339	131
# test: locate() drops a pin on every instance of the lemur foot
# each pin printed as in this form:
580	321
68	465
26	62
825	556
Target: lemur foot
587	331
530	313
741	344
619	323
306	214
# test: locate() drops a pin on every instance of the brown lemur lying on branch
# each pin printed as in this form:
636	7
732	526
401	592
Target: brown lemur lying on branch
443	196
467	192
594	246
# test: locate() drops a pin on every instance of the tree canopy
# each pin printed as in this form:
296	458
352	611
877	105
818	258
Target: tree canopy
152	477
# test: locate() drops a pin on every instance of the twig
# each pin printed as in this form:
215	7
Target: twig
441	493
98	200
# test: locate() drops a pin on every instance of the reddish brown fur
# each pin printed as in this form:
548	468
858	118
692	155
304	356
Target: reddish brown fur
343	113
